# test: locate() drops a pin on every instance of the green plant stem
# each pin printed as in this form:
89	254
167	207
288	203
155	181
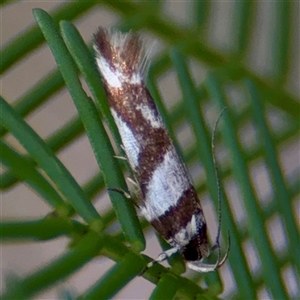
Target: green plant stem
116	278
39	230
72	260
166	288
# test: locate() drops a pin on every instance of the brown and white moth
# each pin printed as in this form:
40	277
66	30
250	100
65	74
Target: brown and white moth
168	199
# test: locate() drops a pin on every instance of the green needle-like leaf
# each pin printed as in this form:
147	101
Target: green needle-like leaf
269	265
49	163
95	130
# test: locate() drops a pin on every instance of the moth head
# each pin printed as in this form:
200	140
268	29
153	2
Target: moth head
196	249
199	266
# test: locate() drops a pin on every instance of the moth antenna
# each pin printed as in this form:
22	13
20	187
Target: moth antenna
218	181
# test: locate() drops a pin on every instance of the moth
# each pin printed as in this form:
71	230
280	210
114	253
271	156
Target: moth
168	199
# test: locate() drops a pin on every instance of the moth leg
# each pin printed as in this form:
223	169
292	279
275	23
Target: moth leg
163	256
133	182
125	194
120	157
